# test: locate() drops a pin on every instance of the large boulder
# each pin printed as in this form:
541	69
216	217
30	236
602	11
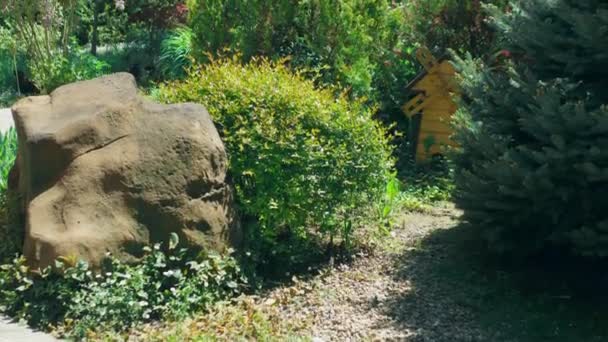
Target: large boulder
101	169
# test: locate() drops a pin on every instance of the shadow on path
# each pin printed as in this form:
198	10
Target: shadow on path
456	294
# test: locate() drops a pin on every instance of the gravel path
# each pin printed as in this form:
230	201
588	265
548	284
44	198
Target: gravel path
369	300
6	119
12	332
377	297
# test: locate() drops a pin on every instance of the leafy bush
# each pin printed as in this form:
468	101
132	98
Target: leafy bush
43	29
425	184
8	59
77	66
77	300
8	98
351	37
460	25
358	45
299	156
532	173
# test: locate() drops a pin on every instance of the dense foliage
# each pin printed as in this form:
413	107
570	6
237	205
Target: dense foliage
452	24
363	47
533	168
77	300
357	45
10	63
299	156
9	233
43	33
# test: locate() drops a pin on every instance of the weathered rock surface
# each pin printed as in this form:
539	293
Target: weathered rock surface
100	169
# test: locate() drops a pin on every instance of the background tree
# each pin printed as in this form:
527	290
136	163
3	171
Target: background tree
532	173
460	25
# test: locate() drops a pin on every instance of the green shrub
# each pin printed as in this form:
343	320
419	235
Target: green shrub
10	232
77	301
426	184
7	63
358	45
77	66
299	156
42	29
460	25
351	39
532	173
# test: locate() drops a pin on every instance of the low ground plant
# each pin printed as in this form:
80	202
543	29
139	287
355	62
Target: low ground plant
426	183
243	319
168	283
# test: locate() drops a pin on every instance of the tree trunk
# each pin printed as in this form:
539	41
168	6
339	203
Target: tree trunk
95	36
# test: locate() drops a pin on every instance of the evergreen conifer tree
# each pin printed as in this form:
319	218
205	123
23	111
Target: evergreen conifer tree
532	171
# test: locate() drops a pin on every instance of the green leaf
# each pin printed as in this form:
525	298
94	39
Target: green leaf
173	240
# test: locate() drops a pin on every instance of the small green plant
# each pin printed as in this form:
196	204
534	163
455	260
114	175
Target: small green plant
240	320
11	62
388	203
176	52
8	153
425	184
77	301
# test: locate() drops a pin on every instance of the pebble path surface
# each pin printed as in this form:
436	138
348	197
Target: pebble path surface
6	119
13	332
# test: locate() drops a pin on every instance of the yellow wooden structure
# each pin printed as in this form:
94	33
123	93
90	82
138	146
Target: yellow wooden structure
431	109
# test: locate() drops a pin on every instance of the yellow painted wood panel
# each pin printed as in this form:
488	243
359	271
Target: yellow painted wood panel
438	137
435	103
415	105
439	105
435	126
423	154
438	117
431	105
431	84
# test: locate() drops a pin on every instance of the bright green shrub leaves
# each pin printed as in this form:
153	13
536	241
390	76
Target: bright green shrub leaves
299	156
